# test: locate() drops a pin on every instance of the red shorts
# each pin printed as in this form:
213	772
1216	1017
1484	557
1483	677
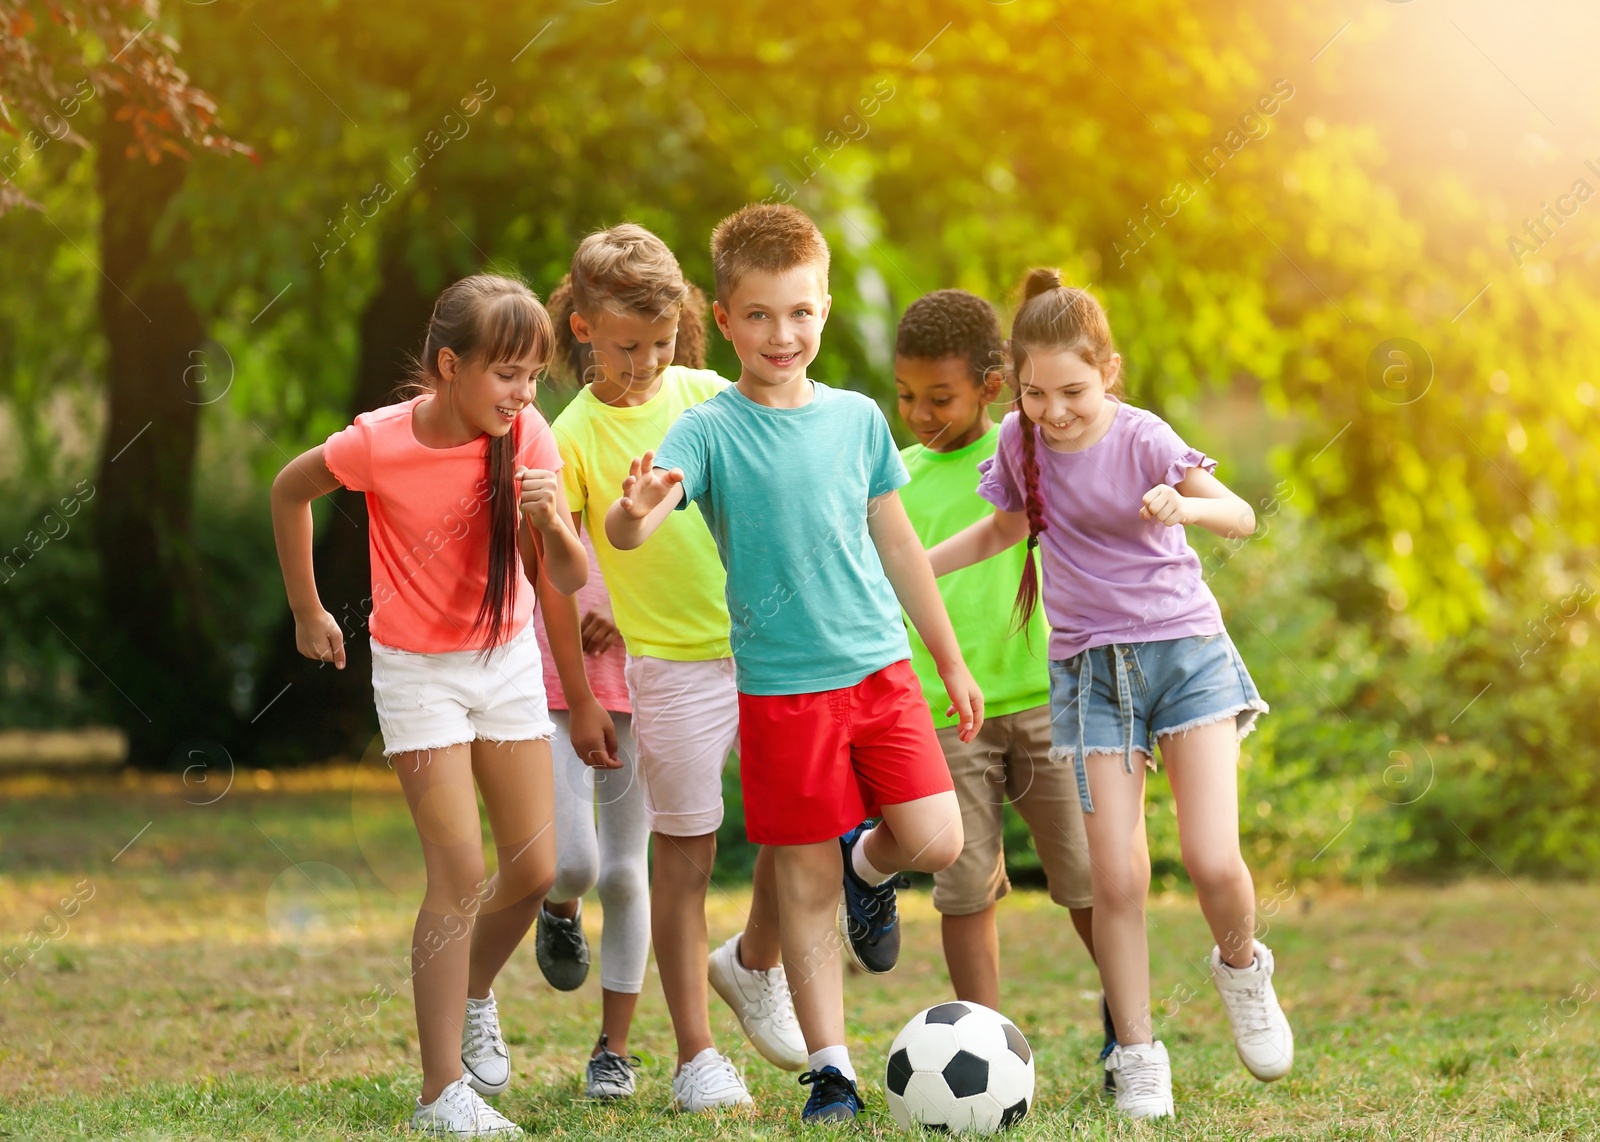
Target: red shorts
813	766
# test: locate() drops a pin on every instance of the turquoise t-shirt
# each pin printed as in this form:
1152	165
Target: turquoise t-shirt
1012	670
784	492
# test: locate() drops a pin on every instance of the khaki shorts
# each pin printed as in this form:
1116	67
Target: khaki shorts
1009	760
685	723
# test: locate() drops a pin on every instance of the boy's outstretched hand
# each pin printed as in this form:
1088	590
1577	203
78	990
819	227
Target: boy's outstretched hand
966	700
645	487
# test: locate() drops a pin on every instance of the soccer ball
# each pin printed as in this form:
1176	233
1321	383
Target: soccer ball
957	1067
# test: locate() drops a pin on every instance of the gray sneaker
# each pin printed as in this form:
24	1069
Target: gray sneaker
562	951
611	1074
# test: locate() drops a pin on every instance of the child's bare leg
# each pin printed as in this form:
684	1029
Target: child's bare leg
924	835
1119	869
438	788
616	1019
518	795
1203	766
808	879
972	955
678	884
760	948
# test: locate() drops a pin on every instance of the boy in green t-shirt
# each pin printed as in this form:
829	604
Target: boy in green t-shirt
947	372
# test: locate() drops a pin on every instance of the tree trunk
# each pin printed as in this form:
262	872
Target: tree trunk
159	650
321	712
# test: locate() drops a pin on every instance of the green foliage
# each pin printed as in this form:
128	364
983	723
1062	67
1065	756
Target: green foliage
1429	514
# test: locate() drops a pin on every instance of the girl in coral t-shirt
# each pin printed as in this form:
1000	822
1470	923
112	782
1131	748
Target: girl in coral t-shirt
455	665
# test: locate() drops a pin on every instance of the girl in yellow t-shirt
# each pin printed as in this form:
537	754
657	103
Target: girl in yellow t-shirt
620	319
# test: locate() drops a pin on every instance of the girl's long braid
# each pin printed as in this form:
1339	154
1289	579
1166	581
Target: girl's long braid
1033	504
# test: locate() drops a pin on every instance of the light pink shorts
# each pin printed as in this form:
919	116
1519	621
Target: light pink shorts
685	721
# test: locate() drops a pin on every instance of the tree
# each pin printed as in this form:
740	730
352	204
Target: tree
59	59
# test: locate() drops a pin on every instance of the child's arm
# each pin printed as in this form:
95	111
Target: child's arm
1201	499
906	565
303	479
594	736
649	495
544	504
982	540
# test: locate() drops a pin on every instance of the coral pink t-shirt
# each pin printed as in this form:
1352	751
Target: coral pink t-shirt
428	525
604	670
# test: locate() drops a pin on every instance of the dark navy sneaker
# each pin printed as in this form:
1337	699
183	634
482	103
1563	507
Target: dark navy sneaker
1110	1030
834	1098
869	919
561	949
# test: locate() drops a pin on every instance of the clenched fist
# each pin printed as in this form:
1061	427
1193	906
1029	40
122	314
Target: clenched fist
538	496
1166	505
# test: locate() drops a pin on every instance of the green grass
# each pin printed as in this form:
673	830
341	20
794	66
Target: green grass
202	992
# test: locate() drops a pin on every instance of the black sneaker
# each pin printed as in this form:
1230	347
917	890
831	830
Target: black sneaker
562	951
610	1075
834	1098
869	919
1110	1030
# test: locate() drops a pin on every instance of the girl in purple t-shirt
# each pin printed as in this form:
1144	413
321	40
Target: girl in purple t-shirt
1138	655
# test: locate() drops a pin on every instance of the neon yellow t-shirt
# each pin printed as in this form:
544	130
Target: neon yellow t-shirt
668	596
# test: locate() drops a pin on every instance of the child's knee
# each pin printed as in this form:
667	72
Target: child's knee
455	887
622	885
941	851
574	878
1216	872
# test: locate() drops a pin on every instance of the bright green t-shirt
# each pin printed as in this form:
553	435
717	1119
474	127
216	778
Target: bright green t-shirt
667	596
1011	670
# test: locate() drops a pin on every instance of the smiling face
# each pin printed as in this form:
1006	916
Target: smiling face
775	322
941	403
630	351
1066	397
487	396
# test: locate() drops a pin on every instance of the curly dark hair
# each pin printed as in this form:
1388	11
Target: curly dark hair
952	323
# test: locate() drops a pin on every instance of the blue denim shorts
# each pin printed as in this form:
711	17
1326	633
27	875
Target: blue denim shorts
1120	698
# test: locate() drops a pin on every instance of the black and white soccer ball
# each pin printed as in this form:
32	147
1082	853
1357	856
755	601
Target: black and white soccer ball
958	1067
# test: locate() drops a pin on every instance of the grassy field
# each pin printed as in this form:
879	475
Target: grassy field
225	960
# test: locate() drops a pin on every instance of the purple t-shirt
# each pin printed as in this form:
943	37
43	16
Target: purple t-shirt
1109	576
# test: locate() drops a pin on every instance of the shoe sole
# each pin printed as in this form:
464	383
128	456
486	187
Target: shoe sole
742	1104
482	1087
726	991
1269	1077
850	947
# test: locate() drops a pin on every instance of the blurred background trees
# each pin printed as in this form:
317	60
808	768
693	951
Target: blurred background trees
1299	216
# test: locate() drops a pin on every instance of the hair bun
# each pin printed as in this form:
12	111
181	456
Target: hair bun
1041	280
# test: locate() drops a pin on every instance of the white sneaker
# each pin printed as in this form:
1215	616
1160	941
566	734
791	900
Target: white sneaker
1142	1076
1260	1028
484	1057
708	1081
460	1113
761	1001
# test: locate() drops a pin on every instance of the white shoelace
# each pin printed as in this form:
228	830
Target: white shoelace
1139	1078
772	997
715	1079
1249	1008
483	1030
461	1098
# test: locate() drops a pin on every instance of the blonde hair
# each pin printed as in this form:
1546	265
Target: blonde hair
626	269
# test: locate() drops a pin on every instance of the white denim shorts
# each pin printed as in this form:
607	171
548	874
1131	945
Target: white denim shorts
685	723
429	701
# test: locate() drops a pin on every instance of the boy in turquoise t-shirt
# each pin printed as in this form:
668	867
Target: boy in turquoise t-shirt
797	482
947	373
